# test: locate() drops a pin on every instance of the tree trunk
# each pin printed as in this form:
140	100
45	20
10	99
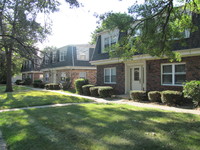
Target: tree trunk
9	70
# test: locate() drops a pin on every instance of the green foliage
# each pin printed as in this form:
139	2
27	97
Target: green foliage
27	81
121	21
154	96
191	89
172	97
52	86
86	89
38	83
138	95
153	28
94	91
78	85
105	91
18	82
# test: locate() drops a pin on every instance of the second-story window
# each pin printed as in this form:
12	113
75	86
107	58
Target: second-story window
63	54
54	57
29	63
46	58
109	39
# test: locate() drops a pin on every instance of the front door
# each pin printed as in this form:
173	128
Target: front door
136	78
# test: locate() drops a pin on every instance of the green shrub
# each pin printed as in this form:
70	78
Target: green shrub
138	95
18	82
154	96
86	89
27	81
172	97
52	86
41	85
192	90
105	91
78	85
94	91
36	83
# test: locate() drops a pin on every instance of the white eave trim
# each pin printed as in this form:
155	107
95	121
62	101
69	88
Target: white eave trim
183	53
69	68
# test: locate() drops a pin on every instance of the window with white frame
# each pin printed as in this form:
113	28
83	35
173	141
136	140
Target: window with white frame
63	54
54	57
46	77
63	76
108	39
29	63
110	75
46	58
82	75
173	74
83	55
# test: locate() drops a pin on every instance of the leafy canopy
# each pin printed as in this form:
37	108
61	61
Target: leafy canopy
153	27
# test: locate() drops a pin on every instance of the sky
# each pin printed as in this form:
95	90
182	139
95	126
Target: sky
74	26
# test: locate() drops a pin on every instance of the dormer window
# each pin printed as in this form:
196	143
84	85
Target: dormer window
82	53
46	58
54	57
63	54
108	39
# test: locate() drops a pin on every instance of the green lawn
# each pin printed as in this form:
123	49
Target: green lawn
100	127
24	97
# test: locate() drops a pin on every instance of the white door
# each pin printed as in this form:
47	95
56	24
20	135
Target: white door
136	78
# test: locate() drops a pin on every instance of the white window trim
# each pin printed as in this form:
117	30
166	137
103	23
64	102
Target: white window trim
84	75
108	35
173	73
63	53
110	75
54	57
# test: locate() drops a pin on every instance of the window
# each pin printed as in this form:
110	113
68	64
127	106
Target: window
29	63
173	74
46	58
46	77
108	39
63	54
110	75
63	76
82	75
54	57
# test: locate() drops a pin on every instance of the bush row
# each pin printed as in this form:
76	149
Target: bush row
26	81
167	97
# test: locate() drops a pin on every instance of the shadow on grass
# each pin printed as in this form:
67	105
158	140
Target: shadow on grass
100	126
36	98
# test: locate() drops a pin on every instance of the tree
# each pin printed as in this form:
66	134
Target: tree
19	29
156	23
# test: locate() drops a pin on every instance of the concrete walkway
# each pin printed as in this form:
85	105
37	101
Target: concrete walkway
101	100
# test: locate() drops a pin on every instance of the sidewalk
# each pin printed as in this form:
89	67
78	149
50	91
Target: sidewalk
101	100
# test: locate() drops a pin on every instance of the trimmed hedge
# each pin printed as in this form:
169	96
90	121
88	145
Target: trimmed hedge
27	81
172	97
52	86
138	95
105	91
36	83
86	89
94	91
18	82
154	96
78	85
192	90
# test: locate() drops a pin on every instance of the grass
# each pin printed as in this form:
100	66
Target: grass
25	97
100	127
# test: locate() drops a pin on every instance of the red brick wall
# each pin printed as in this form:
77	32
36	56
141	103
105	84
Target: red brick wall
154	73
74	74
119	87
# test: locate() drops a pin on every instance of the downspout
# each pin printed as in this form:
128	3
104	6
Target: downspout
73	56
